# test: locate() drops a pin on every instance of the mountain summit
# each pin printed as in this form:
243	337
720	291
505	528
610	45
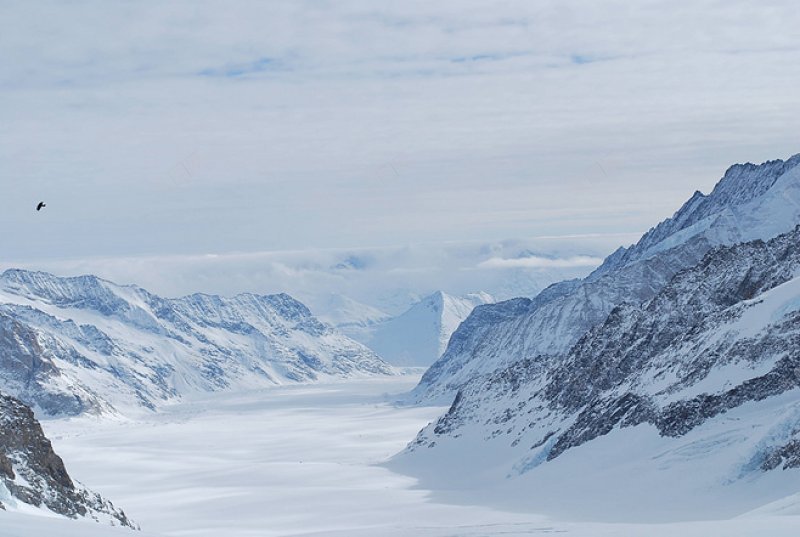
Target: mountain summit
750	202
419	336
676	381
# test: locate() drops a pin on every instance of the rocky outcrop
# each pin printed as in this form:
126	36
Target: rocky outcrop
32	473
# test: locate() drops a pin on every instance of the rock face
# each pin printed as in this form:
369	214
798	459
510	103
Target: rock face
28	369
72	345
692	378
31	473
720	335
750	202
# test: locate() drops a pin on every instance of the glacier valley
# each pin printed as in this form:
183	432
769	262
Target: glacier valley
657	395
302	461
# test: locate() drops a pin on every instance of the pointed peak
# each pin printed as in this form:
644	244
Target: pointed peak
436	299
743	182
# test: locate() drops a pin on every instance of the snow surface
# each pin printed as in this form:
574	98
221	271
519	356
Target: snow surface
301	460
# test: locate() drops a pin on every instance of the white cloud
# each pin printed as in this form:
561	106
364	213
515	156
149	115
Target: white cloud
185	127
389	278
541	262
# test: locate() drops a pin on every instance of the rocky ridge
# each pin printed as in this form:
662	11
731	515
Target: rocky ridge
721	336
496	336
83	344
31	473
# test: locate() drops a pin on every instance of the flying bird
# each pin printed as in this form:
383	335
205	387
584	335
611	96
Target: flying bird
39	207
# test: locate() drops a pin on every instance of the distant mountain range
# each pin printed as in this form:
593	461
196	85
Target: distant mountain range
83	344
352	318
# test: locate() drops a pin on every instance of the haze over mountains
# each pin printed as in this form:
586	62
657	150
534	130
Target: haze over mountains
388	279
419	336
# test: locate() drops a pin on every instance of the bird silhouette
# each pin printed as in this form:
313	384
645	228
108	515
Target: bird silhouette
39	207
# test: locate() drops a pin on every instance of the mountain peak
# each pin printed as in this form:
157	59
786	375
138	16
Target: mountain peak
742	185
750	202
744	182
420	335
435	300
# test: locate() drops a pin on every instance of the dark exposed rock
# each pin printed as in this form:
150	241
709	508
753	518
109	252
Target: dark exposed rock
28	369
32	472
600	418
444	425
681	417
750	202
787	455
643	363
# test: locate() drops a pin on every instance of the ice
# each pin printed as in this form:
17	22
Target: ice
300	461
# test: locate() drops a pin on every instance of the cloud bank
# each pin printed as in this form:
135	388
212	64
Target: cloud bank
388	278
166	128
542	262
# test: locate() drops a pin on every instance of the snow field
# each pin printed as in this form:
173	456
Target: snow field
297	460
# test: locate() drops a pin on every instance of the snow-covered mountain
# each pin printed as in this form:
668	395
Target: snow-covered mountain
33	478
419	336
691	397
749	202
670	376
70	345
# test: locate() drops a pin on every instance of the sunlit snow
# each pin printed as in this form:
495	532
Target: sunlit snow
300	460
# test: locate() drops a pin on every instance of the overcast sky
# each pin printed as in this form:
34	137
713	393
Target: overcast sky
185	128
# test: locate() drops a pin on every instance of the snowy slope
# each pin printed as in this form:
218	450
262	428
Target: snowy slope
71	345
691	398
309	468
750	202
419	336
